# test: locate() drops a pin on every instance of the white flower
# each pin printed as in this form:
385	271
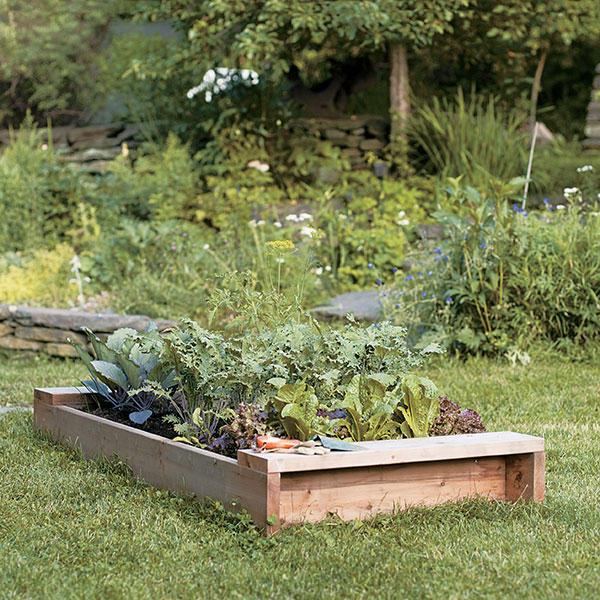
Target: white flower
308	231
304	216
261	166
568	191
328	268
260	223
560	207
403	222
277	224
340	216
76	264
44	146
585	168
252	223
206	246
279	260
401	214
292	217
319	271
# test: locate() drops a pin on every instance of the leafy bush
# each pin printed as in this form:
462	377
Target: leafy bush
41	277
504	277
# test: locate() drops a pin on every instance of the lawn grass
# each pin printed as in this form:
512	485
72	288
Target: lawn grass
71	528
19	374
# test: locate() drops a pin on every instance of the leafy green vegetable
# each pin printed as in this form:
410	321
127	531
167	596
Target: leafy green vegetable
421	405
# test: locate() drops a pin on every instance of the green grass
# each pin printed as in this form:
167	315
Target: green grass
19	375
71	528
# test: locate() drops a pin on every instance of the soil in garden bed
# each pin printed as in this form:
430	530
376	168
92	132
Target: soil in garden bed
154	424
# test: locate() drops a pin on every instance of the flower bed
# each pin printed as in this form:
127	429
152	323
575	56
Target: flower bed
278	490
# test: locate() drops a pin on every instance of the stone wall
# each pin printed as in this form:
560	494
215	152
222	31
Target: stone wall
48	329
354	134
592	124
91	147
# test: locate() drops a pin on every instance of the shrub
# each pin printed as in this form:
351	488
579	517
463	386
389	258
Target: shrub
41	277
504	277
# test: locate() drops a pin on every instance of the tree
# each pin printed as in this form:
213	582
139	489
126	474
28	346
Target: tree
279	38
48	51
536	26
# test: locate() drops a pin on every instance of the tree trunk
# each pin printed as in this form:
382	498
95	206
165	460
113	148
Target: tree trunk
535	89
399	103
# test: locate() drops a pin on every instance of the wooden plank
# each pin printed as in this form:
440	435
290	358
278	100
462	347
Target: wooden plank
526	477
62	396
398	452
362	492
157	460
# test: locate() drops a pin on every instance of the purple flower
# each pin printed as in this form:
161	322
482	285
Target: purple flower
395	270
379	282
448	299
369	265
424	294
173	247
545	201
482	245
184	234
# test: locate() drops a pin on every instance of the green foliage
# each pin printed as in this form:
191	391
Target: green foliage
129	371
49	55
505	277
421	406
369	408
42	276
297	407
473	137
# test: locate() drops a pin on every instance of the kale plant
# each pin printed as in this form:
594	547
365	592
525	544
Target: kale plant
129	371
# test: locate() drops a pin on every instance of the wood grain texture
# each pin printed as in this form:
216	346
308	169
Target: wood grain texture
386	452
362	492
526	477
62	396
157	460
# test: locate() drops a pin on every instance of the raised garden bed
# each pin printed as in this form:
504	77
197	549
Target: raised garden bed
282	489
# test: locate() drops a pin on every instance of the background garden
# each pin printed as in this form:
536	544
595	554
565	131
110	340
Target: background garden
389	142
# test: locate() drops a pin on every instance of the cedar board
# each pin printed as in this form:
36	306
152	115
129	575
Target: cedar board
382	477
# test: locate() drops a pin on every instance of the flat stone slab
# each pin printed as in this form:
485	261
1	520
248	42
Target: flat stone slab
59	318
364	305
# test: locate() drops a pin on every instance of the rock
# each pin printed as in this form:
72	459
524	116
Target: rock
431	232
78	134
6	311
352	152
377	128
73	320
96	166
591	144
45	334
596	82
363	305
350	141
334	134
91	154
65	350
592	130
360	131
14	343
5	329
598	68
371	144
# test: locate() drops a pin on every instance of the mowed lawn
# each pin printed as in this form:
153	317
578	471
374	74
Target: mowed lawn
71	528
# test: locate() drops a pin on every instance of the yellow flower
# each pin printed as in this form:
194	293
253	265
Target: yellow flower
280	246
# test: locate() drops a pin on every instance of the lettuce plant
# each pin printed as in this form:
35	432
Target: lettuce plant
420	406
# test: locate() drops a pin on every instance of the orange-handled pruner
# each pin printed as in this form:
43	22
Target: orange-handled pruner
266	442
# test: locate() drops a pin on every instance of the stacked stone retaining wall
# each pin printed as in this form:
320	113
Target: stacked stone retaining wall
49	329
356	135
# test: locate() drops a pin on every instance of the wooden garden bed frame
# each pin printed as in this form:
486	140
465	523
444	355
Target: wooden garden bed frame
282	489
